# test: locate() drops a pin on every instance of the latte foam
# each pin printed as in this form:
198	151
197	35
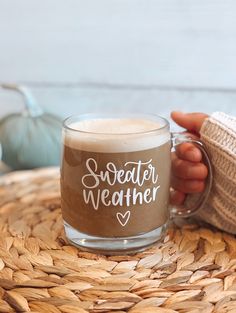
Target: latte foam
115	135
115	126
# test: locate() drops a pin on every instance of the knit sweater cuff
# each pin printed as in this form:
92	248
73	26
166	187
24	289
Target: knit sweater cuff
218	132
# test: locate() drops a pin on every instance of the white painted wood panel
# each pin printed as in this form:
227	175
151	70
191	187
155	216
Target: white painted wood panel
68	101
134	42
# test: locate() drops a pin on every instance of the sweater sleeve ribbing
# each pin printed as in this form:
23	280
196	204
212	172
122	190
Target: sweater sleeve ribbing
218	133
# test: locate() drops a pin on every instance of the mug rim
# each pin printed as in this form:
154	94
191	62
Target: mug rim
147	116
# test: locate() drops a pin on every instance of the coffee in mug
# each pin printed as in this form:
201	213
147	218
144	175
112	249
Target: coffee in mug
115	181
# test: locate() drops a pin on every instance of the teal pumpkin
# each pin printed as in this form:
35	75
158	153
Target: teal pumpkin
31	138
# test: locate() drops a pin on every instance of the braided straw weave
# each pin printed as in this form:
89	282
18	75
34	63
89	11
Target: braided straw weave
192	271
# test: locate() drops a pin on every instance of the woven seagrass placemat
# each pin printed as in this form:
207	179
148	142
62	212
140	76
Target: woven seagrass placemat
194	270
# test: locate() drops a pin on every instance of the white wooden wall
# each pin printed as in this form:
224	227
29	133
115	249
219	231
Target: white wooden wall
143	55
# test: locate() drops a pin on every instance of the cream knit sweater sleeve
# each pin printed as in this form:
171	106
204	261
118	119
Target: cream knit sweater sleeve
218	132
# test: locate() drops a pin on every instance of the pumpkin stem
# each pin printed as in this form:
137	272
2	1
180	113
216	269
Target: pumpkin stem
31	106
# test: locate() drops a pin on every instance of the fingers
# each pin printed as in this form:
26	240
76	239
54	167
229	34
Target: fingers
191	121
188	177
188	170
188	152
187	186
177	197
188	173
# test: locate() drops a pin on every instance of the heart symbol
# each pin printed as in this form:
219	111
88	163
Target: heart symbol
123	218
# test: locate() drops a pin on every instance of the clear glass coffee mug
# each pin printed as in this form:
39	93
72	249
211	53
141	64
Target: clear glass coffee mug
115	181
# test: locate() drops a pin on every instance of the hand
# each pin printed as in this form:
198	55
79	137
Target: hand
188	172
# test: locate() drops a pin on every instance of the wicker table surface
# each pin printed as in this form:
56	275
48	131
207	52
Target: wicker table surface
194	270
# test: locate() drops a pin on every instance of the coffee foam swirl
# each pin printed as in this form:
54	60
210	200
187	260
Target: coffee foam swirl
115	135
115	126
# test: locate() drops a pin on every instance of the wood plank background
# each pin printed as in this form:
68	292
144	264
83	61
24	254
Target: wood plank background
87	55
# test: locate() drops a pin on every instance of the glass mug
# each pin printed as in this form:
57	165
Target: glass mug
115	181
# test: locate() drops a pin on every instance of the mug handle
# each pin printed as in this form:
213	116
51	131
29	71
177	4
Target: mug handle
192	205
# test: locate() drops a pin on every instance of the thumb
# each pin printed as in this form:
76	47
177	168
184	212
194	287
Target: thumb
191	121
